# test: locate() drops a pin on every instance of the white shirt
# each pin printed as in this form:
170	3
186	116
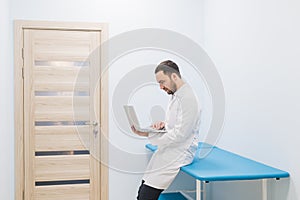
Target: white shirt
178	145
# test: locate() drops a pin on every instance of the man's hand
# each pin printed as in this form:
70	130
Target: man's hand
158	125
145	134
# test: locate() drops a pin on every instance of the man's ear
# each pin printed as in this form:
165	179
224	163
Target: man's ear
174	76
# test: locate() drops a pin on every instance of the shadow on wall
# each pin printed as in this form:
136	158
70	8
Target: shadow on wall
279	189
184	183
250	190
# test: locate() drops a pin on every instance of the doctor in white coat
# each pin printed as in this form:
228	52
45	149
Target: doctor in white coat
177	146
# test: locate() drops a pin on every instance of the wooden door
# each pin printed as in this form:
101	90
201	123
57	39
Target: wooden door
61	114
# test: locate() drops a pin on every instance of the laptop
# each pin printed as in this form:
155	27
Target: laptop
133	121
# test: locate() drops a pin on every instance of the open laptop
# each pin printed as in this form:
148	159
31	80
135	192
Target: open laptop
133	121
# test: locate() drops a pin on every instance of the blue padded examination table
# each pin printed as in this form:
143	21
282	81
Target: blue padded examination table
222	165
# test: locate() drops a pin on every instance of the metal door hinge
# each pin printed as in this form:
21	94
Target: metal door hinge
23	57
22	53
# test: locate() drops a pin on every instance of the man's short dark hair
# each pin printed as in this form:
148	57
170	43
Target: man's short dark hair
168	67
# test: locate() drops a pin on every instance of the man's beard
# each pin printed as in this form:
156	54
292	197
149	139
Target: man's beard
173	88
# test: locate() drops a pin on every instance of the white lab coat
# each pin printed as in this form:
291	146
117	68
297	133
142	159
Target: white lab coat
178	145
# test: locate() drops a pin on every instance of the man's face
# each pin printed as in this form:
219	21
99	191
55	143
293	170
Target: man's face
165	82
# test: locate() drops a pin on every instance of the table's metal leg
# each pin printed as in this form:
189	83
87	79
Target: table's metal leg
200	190
264	191
204	190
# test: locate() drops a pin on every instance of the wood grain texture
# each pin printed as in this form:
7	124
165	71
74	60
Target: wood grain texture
18	107
63	192
69	43
61	138
28	117
62	167
61	74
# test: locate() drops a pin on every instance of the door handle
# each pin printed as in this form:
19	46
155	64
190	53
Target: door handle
95	126
93	123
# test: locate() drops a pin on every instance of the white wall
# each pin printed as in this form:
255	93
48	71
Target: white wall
255	45
122	16
6	105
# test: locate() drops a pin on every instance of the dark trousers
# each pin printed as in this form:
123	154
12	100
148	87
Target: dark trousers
148	193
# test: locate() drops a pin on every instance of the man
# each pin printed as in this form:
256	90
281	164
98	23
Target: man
177	146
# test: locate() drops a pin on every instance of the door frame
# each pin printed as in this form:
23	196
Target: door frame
19	26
